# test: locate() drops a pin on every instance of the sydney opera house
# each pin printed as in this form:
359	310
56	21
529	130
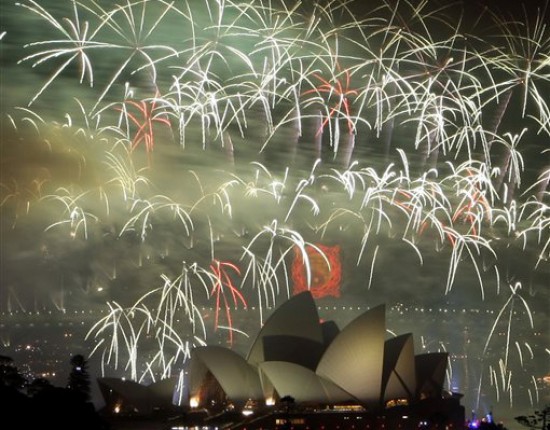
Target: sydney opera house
301	372
307	373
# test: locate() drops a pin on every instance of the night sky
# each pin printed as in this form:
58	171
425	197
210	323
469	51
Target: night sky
184	170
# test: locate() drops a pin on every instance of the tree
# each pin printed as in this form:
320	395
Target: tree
62	409
37	386
539	419
79	378
9	374
288	402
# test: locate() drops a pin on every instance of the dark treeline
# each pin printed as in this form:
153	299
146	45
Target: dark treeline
39	404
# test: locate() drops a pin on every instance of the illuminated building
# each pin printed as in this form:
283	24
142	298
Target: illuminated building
328	374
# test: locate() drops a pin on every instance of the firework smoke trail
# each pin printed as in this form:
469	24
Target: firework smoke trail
263	78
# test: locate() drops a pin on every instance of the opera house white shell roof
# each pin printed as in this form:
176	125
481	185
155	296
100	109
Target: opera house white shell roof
296	355
135	397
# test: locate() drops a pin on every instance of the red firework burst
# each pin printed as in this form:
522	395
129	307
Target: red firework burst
222	287
337	87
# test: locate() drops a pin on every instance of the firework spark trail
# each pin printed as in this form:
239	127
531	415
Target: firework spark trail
508	306
223	281
265	272
194	94
145	129
161	319
76	33
119	325
342	92
76	217
524	58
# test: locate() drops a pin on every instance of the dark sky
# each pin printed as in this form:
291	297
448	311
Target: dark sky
516	10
